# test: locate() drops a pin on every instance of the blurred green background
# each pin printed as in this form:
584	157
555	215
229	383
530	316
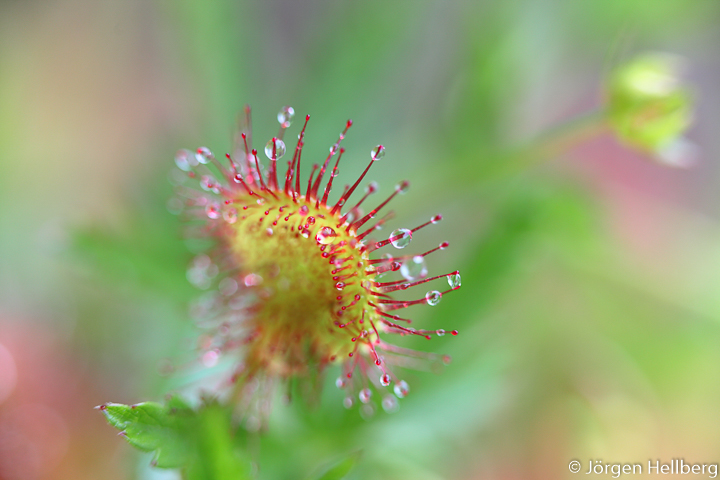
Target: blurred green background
589	313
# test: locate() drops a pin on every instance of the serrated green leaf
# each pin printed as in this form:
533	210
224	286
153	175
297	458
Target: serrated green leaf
151	427
200	442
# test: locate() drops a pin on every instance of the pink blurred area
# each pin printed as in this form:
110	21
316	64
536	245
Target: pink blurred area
48	428
83	98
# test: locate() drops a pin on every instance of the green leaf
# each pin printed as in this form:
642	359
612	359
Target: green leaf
200	442
339	470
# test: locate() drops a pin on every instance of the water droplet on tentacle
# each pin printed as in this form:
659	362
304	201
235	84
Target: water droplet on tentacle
285	116
208	183
213	211
367	411
385	380
252	280
401	238
390	404
228	286
454	280
210	358
433	297
279	147
377	153
365	395
414	268
185	160
325	236
230	215
204	155
401	389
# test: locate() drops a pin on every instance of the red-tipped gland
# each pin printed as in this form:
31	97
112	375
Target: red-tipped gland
294	286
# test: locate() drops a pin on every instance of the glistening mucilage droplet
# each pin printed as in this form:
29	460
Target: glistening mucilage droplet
414	268
285	116
275	149
401	238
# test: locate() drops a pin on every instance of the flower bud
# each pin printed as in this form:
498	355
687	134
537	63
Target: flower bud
650	107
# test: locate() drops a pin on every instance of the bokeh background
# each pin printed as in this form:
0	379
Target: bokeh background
590	307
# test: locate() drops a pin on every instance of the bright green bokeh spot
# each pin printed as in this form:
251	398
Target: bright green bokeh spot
648	104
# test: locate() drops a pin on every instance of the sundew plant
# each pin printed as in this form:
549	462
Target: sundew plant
301	280
297	285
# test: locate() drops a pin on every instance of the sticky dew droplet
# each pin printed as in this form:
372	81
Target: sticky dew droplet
454	280
207	183
433	297
367	412
377	153
326	236
279	149
204	155
185	160
414	268
401	238
390	404
365	395
252	280
228	286
213	211
385	380
210	358
401	389
285	116
230	215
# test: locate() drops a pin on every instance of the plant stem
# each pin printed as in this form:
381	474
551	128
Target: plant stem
546	146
